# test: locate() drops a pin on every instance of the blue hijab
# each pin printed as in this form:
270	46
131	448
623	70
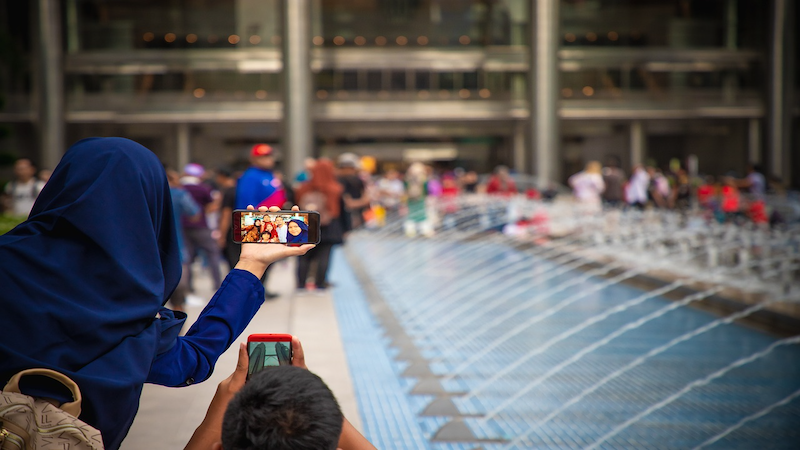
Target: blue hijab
301	238
84	277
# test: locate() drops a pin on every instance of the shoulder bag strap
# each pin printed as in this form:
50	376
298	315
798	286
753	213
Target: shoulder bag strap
73	407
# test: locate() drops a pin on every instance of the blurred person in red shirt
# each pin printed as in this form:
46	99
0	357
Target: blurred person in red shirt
449	202
324	193
731	202
501	183
707	193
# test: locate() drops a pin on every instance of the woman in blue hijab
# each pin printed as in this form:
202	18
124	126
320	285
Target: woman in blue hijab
85	279
296	232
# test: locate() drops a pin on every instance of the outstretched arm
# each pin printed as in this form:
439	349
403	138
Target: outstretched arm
351	439
190	359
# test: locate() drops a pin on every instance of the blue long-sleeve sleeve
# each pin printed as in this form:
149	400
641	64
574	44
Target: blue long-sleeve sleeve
190	359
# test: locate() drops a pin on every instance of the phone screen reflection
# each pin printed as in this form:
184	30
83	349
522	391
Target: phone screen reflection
267	354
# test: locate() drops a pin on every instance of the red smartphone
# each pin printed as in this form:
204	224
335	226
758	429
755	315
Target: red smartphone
268	350
279	227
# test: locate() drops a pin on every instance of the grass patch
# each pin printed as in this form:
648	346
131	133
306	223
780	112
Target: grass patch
9	222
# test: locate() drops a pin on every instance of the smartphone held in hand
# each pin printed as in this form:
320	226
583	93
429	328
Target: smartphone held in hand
268	350
278	227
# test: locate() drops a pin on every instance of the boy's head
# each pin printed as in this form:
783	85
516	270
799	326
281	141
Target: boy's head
283	408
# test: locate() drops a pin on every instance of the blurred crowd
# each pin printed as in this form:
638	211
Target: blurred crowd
729	198
346	195
420	196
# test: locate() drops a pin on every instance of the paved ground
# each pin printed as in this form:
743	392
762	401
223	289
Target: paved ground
168	416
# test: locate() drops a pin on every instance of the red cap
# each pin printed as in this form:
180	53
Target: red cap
261	150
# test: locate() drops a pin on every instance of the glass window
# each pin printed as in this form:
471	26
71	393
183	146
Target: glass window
417	23
664	23
422	80
374	80
447	81
470	81
155	24
398	81
349	80
324	80
115	91
16	36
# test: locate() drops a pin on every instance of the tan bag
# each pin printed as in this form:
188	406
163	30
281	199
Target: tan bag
29	423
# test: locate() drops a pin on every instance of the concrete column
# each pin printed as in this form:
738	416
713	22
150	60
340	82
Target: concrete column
543	89
731	24
729	83
298	129
73	35
638	143
51	84
780	89
520	147
316	18
754	142
184	140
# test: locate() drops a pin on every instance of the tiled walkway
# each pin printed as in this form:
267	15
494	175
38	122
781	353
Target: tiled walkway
168	416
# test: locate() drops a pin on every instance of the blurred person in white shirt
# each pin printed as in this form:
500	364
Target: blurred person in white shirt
391	190
22	192
588	186
636	189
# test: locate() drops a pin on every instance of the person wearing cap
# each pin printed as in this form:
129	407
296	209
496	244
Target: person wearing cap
355	192
259	186
196	232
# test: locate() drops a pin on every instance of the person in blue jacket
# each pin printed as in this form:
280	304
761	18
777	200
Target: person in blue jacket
259	186
85	279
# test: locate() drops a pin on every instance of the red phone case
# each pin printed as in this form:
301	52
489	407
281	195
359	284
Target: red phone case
269	337
255	366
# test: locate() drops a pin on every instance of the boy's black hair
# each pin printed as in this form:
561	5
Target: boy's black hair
283	408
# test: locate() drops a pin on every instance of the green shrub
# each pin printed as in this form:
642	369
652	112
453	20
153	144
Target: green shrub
9	222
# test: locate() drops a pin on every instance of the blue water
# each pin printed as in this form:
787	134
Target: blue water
418	278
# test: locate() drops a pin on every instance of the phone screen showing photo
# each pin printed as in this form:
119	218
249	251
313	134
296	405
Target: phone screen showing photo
284	227
268	354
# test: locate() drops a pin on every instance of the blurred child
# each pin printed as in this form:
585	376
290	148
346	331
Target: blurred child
731	199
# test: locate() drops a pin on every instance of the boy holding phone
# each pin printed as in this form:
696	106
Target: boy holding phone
252	418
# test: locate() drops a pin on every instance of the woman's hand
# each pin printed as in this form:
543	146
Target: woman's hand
256	257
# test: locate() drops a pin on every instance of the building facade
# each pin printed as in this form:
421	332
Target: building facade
539	85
